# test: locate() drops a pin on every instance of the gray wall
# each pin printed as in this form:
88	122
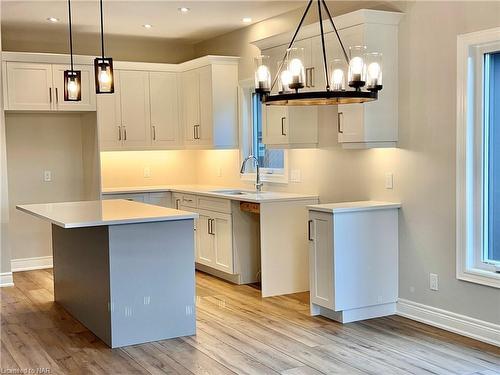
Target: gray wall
424	163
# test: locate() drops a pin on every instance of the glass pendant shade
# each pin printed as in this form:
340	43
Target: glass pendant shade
104	80
262	74
72	85
373	63
296	67
357	67
338	69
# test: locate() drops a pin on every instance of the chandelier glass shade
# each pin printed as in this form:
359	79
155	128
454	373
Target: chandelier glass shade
359	70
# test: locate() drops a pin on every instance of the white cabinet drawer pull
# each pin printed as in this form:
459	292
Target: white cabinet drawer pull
340	125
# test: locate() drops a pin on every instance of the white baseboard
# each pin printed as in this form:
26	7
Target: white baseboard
6	279
28	264
449	321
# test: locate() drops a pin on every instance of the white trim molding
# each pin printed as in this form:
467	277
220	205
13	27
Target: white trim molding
463	325
470	160
28	264
6	279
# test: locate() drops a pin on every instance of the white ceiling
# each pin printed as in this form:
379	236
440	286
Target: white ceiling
205	19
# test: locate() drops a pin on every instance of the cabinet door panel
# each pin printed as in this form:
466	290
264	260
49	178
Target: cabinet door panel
29	86
275	125
222	227
164	108
206	241
134	98
88	102
206	113
190	105
321	260
109	118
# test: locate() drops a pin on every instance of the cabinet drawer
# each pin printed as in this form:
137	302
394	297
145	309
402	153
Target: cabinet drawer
214	204
188	200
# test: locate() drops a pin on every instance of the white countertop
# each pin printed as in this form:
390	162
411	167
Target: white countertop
214	191
106	212
353	206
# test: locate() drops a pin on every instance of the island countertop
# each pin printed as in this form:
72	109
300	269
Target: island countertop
105	212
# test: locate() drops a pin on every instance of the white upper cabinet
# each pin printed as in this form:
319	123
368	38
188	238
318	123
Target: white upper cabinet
109	120
365	125
40	87
209	105
135	111
87	89
164	103
288	127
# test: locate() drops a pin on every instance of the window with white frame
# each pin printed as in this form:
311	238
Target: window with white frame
478	157
273	162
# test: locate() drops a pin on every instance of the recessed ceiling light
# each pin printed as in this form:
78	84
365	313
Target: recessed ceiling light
247	19
53	19
147	26
184	10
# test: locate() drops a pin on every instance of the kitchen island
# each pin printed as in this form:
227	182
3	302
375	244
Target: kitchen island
124	269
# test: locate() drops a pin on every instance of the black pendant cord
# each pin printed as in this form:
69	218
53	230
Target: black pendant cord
323	46
291	43
70	35
336	31
102	30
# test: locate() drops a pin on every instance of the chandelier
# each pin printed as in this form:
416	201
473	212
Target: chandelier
363	71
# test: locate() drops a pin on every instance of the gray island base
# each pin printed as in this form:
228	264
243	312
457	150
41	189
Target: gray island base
131	282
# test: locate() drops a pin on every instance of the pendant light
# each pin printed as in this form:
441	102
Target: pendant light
361	70
103	67
72	77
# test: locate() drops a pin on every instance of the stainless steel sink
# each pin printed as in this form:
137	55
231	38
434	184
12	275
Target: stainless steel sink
232	192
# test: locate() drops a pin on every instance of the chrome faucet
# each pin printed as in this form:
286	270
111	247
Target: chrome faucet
258	183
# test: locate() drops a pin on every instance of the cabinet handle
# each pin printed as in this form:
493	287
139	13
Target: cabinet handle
209	224
177	203
197	131
50	94
187	200
57	96
312	77
283	126
154	133
212	231
309	230
124	133
340	127
194	132
119	133
307	77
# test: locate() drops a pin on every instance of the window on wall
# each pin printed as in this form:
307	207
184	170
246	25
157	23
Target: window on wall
478	157
273	162
492	157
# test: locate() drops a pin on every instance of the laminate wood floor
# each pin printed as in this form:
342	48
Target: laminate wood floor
237	332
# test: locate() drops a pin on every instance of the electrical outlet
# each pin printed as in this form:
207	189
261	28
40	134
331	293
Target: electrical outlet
433	281
147	172
295	175
219	172
47	176
389	181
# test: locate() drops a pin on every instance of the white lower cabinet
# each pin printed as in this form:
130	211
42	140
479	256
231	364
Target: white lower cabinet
353	261
215	240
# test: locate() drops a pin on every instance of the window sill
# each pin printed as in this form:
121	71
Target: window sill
479	276
273	178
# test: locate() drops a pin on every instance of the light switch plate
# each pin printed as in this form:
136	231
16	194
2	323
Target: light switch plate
47	176
389	181
147	172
